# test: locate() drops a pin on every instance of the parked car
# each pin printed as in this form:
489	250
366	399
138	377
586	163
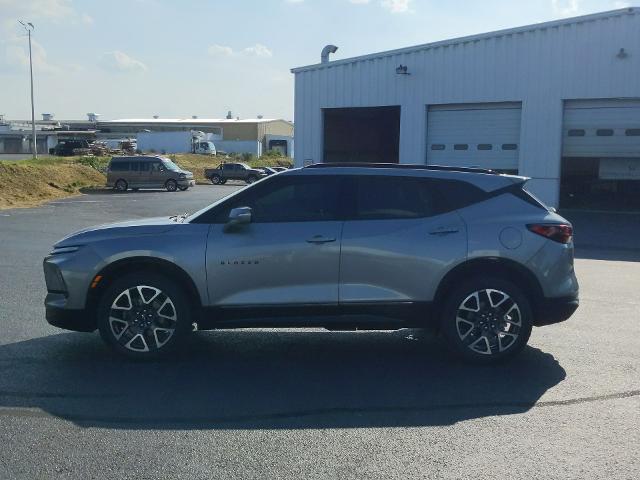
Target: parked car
467	252
147	172
65	148
233	171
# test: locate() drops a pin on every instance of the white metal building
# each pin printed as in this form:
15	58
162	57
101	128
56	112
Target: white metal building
558	101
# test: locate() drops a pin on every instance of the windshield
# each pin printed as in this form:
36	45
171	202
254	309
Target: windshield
245	166
170	165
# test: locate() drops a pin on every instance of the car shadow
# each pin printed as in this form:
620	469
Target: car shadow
249	379
111	191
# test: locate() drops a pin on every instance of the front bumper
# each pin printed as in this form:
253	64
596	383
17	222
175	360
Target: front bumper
76	320
186	182
555	310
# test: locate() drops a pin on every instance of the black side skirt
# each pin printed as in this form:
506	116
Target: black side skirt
361	316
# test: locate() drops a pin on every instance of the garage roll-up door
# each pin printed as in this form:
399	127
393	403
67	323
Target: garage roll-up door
601	128
474	135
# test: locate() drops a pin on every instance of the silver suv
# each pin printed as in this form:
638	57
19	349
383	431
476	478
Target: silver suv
465	251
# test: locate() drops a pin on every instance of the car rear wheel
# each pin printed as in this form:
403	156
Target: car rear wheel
487	320
171	185
143	315
216	179
121	185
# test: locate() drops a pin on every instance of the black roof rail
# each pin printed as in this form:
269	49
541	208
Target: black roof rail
405	166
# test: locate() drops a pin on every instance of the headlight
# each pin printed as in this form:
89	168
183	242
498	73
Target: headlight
182	175
60	250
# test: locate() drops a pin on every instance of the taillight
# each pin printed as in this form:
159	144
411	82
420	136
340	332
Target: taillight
558	232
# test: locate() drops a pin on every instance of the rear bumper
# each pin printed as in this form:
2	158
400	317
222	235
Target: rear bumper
76	320
555	310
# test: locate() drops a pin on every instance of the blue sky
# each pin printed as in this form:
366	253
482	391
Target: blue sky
137	58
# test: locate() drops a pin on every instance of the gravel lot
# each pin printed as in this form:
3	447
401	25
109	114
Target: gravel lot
313	404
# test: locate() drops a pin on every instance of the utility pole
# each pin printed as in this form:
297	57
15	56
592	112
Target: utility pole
34	145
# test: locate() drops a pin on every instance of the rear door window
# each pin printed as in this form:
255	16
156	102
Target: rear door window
384	198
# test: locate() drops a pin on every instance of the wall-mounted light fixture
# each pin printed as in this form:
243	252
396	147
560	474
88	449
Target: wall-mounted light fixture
402	70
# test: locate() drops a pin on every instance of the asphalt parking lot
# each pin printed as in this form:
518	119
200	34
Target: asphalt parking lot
314	404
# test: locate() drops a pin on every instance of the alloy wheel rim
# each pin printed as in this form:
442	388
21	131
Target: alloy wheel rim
488	321
142	318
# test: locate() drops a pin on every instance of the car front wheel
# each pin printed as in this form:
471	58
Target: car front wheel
486	320
143	315
121	185
171	185
216	179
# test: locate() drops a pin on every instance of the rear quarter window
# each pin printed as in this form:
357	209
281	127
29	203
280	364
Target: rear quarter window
457	194
120	166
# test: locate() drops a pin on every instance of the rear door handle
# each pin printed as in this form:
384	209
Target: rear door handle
320	239
444	231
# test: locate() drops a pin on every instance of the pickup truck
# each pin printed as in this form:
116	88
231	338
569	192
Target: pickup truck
233	171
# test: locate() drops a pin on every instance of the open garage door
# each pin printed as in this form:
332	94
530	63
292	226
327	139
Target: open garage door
362	134
474	135
601	154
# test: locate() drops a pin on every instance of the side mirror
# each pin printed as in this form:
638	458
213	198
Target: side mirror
238	217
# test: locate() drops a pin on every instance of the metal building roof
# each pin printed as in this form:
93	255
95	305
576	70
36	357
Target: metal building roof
190	120
474	38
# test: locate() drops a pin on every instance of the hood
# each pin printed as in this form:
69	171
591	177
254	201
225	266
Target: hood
147	226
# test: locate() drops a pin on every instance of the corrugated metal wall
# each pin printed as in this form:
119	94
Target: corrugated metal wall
540	67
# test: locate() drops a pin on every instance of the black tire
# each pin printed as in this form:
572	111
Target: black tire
251	179
121	185
130	333
494	333
223	181
182	189
171	185
216	179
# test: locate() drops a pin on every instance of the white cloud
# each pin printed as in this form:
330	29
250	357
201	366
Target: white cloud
258	50
621	4
360	2
14	56
220	51
294	1
397	6
121	62
565	7
35	11
14	53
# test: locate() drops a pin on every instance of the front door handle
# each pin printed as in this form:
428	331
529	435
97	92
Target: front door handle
444	231
320	239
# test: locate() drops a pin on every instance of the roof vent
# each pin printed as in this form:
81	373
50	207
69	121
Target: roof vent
194	116
324	56
156	117
93	117
229	115
259	117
